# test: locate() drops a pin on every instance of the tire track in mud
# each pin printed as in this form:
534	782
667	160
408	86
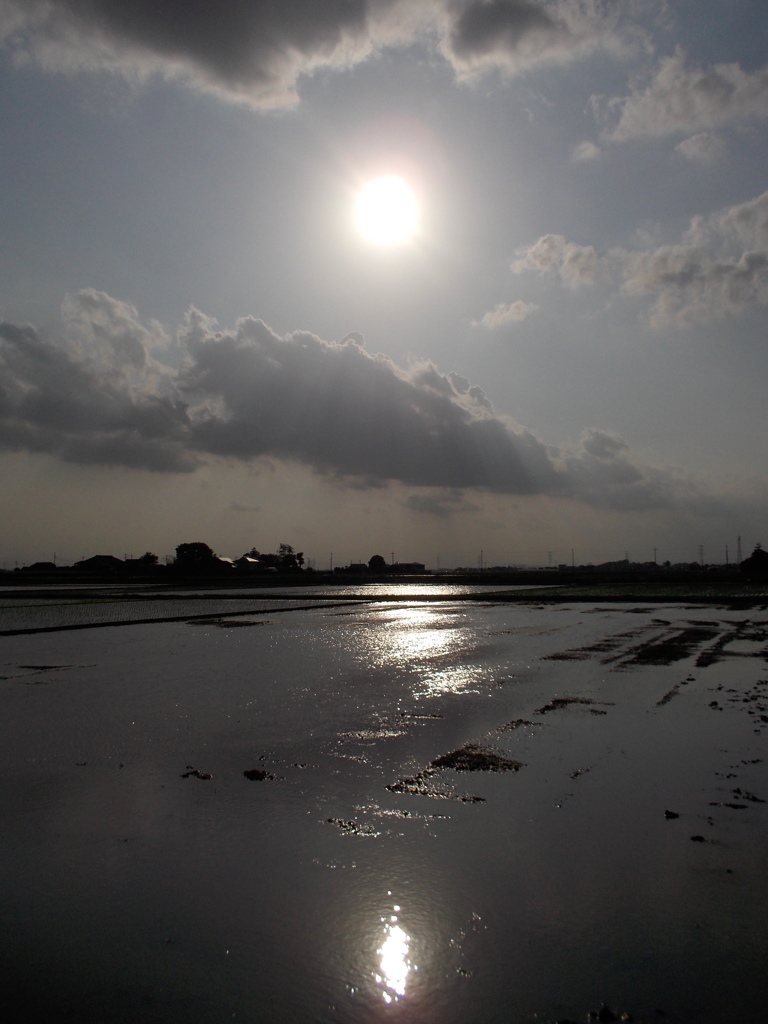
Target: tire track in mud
668	644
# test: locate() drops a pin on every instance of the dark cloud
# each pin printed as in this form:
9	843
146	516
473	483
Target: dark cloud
441	504
83	407
251	49
343	410
257	50
483	28
115	391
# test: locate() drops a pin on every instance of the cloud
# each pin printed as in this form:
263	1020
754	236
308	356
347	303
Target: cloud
518	35
441	504
604	473
237	506
719	268
253	52
704	148
256	52
585	152
683	100
506	313
691	286
110	389
96	394
577	265
744	224
344	411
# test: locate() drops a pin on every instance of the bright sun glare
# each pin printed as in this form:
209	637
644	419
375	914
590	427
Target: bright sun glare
387	211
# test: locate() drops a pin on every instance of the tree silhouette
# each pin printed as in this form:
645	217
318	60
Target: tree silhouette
195	556
288	559
757	563
377	564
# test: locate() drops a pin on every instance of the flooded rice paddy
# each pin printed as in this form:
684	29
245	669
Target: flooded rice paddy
374	810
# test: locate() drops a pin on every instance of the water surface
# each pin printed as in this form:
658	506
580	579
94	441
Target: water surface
136	888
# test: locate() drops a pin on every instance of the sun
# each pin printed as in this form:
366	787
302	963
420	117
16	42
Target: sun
386	211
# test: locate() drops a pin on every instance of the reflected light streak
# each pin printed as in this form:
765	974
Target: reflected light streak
428	641
394	963
409	635
464	679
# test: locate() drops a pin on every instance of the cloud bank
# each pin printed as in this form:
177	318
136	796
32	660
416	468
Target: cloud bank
719	268
255	51
111	390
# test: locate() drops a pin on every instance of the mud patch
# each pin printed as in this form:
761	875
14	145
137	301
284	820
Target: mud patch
474	757
563	702
745	640
517	723
259	775
674	691
425	784
352	828
368	735
754	702
46	668
676	645
605	646
411	715
709	642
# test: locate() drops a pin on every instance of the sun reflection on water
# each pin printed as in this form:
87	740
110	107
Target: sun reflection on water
394	963
429	641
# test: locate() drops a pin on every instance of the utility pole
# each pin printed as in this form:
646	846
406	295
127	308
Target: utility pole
331	561
739	559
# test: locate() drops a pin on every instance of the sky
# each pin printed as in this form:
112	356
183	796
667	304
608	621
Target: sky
565	358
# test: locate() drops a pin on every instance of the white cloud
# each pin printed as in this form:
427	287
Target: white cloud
585	152
577	265
744	224
685	100
506	313
704	148
719	268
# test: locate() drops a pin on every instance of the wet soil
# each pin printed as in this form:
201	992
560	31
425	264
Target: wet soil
563	702
471	757
660	643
